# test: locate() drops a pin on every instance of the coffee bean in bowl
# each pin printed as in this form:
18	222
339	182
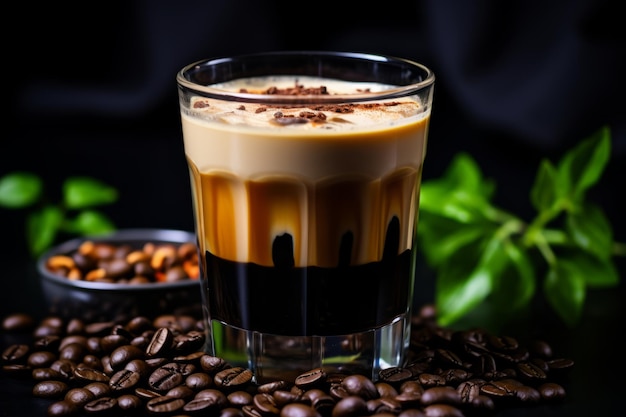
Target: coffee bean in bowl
127	273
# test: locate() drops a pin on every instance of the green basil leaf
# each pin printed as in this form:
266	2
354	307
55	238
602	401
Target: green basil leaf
90	222
440	237
514	288
20	189
465	173
590	230
582	166
457	292
42	227
543	193
83	192
565	290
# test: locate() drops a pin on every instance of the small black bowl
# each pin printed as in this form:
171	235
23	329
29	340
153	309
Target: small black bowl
100	301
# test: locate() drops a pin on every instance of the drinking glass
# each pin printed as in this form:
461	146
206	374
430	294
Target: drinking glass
305	170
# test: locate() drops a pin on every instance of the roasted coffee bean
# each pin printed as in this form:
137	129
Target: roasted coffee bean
395	375
551	391
530	371
384	405
18	322
74	338
50	389
233	378
45	374
270	387
62	408
75	326
442	410
231	412
64	367
299	410
428	380
500	389
313	378
124	380
99	328
41	359
193	358
50	343
165	378
16	353
361	386
99	389
129	402
441	395
101	405
385	390
110	342
160	343
265	404
212	364
412	412
87	375
527	394
241	398
198	381
92	361
138	365
560	365
250	411
455	376
73	352
146	394
469	390
483	402
181	391
139	324
189	342
350	406
79	396
164	405
124	354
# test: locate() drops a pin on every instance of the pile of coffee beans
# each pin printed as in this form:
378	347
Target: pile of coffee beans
125	264
157	367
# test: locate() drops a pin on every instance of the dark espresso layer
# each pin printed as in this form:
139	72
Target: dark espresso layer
304	301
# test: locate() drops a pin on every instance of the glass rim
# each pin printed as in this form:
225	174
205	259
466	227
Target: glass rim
428	78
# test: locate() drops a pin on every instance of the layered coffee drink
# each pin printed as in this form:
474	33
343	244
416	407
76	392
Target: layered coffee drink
306	215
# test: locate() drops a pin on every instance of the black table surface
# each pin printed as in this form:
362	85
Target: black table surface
595	385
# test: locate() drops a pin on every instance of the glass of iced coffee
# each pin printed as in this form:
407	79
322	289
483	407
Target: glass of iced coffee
305	172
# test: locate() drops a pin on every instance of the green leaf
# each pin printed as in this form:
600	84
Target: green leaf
582	166
440	237
458	292
543	193
83	192
42	227
591	231
462	194
20	189
596	272
565	290
515	286
465	173
90	222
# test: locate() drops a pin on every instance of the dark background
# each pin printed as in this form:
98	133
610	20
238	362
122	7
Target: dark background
90	90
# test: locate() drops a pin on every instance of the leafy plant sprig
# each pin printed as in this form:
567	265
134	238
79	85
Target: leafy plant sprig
480	252
74	215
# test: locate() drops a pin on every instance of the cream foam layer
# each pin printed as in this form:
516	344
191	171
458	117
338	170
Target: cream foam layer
239	138
254	180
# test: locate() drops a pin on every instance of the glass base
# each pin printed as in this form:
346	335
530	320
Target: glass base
274	357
